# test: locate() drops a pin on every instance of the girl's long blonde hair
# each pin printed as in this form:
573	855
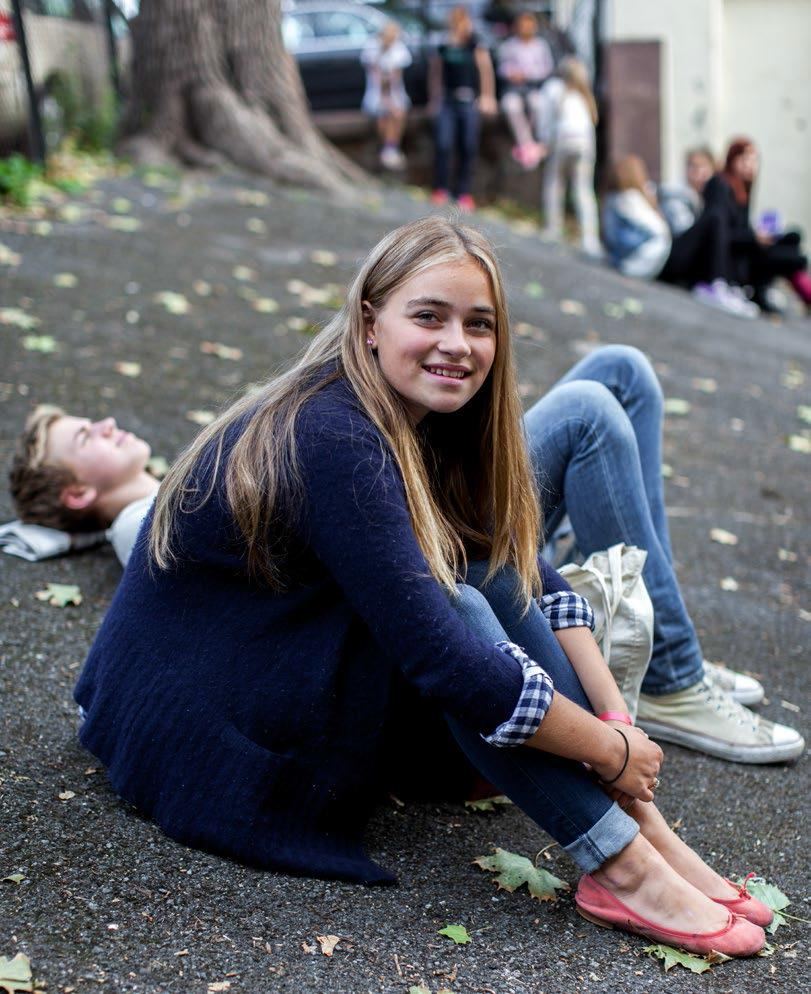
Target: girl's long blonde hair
575	75
467	477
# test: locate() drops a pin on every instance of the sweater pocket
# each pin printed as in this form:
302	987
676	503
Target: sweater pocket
265	782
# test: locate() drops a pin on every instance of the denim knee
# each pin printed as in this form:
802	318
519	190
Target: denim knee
635	373
592	410
478	615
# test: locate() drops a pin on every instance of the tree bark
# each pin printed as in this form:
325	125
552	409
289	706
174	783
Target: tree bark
213	82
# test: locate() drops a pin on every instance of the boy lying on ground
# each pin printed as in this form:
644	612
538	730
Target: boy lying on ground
80	476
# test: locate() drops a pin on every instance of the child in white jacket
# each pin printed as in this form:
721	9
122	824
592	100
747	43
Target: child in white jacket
567	127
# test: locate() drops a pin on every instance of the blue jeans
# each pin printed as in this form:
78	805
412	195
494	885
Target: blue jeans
559	794
595	441
457	126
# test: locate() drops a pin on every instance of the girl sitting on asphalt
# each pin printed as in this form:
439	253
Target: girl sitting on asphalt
367	524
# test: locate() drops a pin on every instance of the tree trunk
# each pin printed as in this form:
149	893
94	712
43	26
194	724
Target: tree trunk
213	82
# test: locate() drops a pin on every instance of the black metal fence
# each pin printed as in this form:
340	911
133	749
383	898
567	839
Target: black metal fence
61	66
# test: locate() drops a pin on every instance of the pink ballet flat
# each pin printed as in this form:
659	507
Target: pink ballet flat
745	905
738	937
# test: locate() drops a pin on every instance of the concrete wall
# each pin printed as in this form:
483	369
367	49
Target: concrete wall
767	95
732	67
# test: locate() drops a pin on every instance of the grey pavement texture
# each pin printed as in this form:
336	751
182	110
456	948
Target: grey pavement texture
107	902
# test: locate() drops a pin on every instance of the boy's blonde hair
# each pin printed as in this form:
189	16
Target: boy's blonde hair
36	485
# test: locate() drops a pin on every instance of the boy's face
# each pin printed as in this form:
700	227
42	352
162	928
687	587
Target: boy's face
98	453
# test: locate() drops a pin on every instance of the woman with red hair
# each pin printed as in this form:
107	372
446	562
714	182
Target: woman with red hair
757	256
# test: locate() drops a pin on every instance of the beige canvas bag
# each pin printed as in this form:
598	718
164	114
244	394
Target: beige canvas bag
612	583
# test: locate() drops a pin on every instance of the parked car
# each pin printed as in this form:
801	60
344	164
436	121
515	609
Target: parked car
327	38
68	47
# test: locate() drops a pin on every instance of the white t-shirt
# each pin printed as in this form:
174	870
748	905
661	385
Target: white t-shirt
565	115
382	92
124	530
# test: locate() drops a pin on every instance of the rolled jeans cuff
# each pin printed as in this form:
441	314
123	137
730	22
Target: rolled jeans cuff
607	837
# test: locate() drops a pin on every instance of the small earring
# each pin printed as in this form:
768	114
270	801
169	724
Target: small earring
370	341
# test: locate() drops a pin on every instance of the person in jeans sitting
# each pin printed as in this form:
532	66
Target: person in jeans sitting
524	63
595	444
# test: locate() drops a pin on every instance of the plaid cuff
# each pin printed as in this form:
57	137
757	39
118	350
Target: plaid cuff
533	703
566	609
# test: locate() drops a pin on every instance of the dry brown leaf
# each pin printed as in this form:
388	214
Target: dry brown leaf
328	943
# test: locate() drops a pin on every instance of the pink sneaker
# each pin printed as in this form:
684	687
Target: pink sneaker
466	203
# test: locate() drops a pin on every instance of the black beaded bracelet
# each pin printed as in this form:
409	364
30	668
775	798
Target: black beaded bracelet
627	757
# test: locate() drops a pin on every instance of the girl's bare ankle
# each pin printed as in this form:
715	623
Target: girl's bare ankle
628	869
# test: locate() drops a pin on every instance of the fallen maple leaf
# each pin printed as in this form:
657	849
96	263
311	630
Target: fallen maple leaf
323	258
265	305
65	280
67	795
14	878
15	974
458	933
419	989
799	443
328	943
60	594
488	803
572	307
772	897
175	303
793	379
243	273
632	305
131	369
514	871
221	351
40	343
729	583
219	985
676	406
804	413
122	223
200	417
723	537
695	964
309	948
8	257
253	197
18	317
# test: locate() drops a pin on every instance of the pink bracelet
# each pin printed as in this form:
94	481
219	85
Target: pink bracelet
616	716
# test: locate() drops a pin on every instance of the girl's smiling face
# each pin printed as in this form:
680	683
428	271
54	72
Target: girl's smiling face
435	337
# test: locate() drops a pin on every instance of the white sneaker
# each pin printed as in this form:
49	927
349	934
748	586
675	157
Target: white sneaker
704	718
720	295
745	689
392	158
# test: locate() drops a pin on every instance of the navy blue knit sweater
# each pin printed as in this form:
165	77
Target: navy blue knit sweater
248	722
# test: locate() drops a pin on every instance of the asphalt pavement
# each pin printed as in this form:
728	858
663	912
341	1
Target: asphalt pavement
106	902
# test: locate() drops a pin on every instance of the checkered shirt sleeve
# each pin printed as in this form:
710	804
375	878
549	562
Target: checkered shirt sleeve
566	609
533	703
